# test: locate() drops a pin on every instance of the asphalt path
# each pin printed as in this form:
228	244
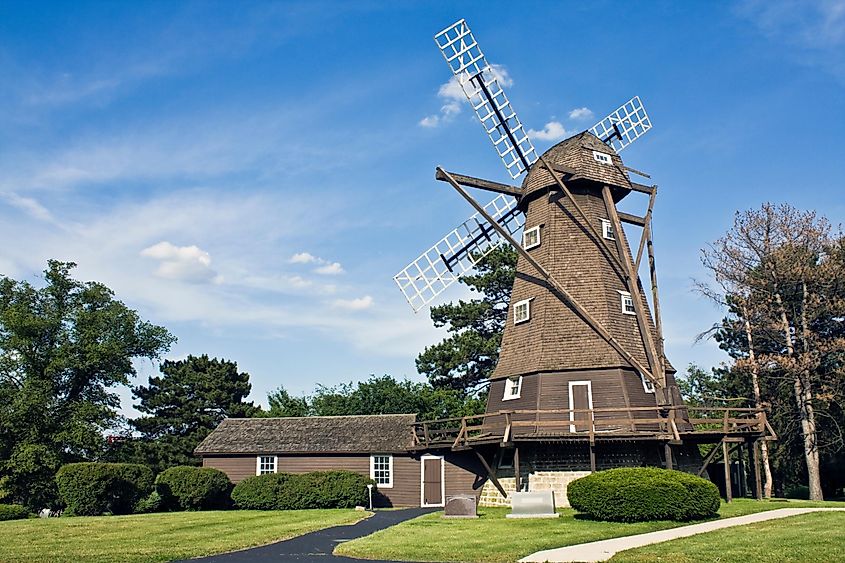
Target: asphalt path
318	546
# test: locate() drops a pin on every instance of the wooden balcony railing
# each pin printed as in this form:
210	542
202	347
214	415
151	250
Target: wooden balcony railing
668	423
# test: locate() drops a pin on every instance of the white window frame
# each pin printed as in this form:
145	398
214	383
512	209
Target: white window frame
389	484
623	295
525	234
648	386
602	157
442	480
607	229
258	464
572	384
509	386
517	305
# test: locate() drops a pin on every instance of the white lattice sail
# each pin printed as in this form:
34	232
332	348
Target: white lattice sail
457	253
496	114
624	126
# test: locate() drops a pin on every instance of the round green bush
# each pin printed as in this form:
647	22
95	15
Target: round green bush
319	489
13	512
638	494
150	503
88	488
263	492
193	488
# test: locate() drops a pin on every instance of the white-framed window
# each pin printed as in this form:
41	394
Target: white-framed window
531	237
521	311
647	384
265	464
627	303
607	229
513	387
602	157
381	470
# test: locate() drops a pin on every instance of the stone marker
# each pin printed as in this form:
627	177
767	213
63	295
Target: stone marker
533	504
460	506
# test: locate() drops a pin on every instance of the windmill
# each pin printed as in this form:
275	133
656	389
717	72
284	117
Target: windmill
561	317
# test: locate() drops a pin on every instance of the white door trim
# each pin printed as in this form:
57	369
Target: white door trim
442	480
589	385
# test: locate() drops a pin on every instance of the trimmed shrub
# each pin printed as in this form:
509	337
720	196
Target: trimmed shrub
637	494
800	492
150	503
88	489
13	512
319	489
263	492
193	488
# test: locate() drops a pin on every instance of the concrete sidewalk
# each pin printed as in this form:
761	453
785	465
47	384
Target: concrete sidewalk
605	549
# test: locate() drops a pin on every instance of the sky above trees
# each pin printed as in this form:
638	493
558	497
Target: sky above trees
252	175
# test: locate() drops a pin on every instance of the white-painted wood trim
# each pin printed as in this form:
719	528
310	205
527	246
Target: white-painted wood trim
536	244
258	463
389	468
442	480
505	396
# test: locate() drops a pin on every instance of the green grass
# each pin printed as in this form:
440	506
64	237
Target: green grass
157	537
811	537
493	538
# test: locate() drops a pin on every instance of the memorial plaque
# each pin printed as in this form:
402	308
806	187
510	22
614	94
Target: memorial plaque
460	506
533	504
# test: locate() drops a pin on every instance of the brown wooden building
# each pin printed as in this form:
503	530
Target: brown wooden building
379	446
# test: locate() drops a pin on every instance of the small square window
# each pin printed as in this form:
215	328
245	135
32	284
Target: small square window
647	384
531	237
265	464
627	303
604	158
513	387
522	311
381	470
607	229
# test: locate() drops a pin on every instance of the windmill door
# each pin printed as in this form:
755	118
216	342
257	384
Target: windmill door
580	405
432	480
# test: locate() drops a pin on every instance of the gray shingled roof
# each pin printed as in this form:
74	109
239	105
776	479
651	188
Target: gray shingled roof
385	433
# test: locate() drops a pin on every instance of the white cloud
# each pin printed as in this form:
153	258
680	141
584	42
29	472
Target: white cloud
330	269
29	205
303	258
551	131
358	304
184	263
580	114
453	97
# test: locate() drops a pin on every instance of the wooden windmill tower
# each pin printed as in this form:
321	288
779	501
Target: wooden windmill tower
582	361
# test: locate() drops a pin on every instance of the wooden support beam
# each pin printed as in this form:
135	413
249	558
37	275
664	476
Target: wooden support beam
592	457
491	474
637	172
642	188
726	462
632	219
667	453
709	459
632	282
655	297
646	234
516	474
479	183
559	290
754	450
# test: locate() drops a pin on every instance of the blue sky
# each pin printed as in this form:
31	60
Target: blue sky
252	175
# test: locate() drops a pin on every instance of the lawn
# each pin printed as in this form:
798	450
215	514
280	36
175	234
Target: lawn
493	538
157	537
810	537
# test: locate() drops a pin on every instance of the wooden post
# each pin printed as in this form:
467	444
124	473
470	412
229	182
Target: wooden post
655	297
516	468
726	459
491	474
592	457
754	448
667	451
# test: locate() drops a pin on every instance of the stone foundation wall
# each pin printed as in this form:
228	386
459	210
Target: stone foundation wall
556	481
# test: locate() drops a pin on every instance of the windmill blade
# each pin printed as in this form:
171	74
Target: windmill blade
624	126
457	253
481	87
